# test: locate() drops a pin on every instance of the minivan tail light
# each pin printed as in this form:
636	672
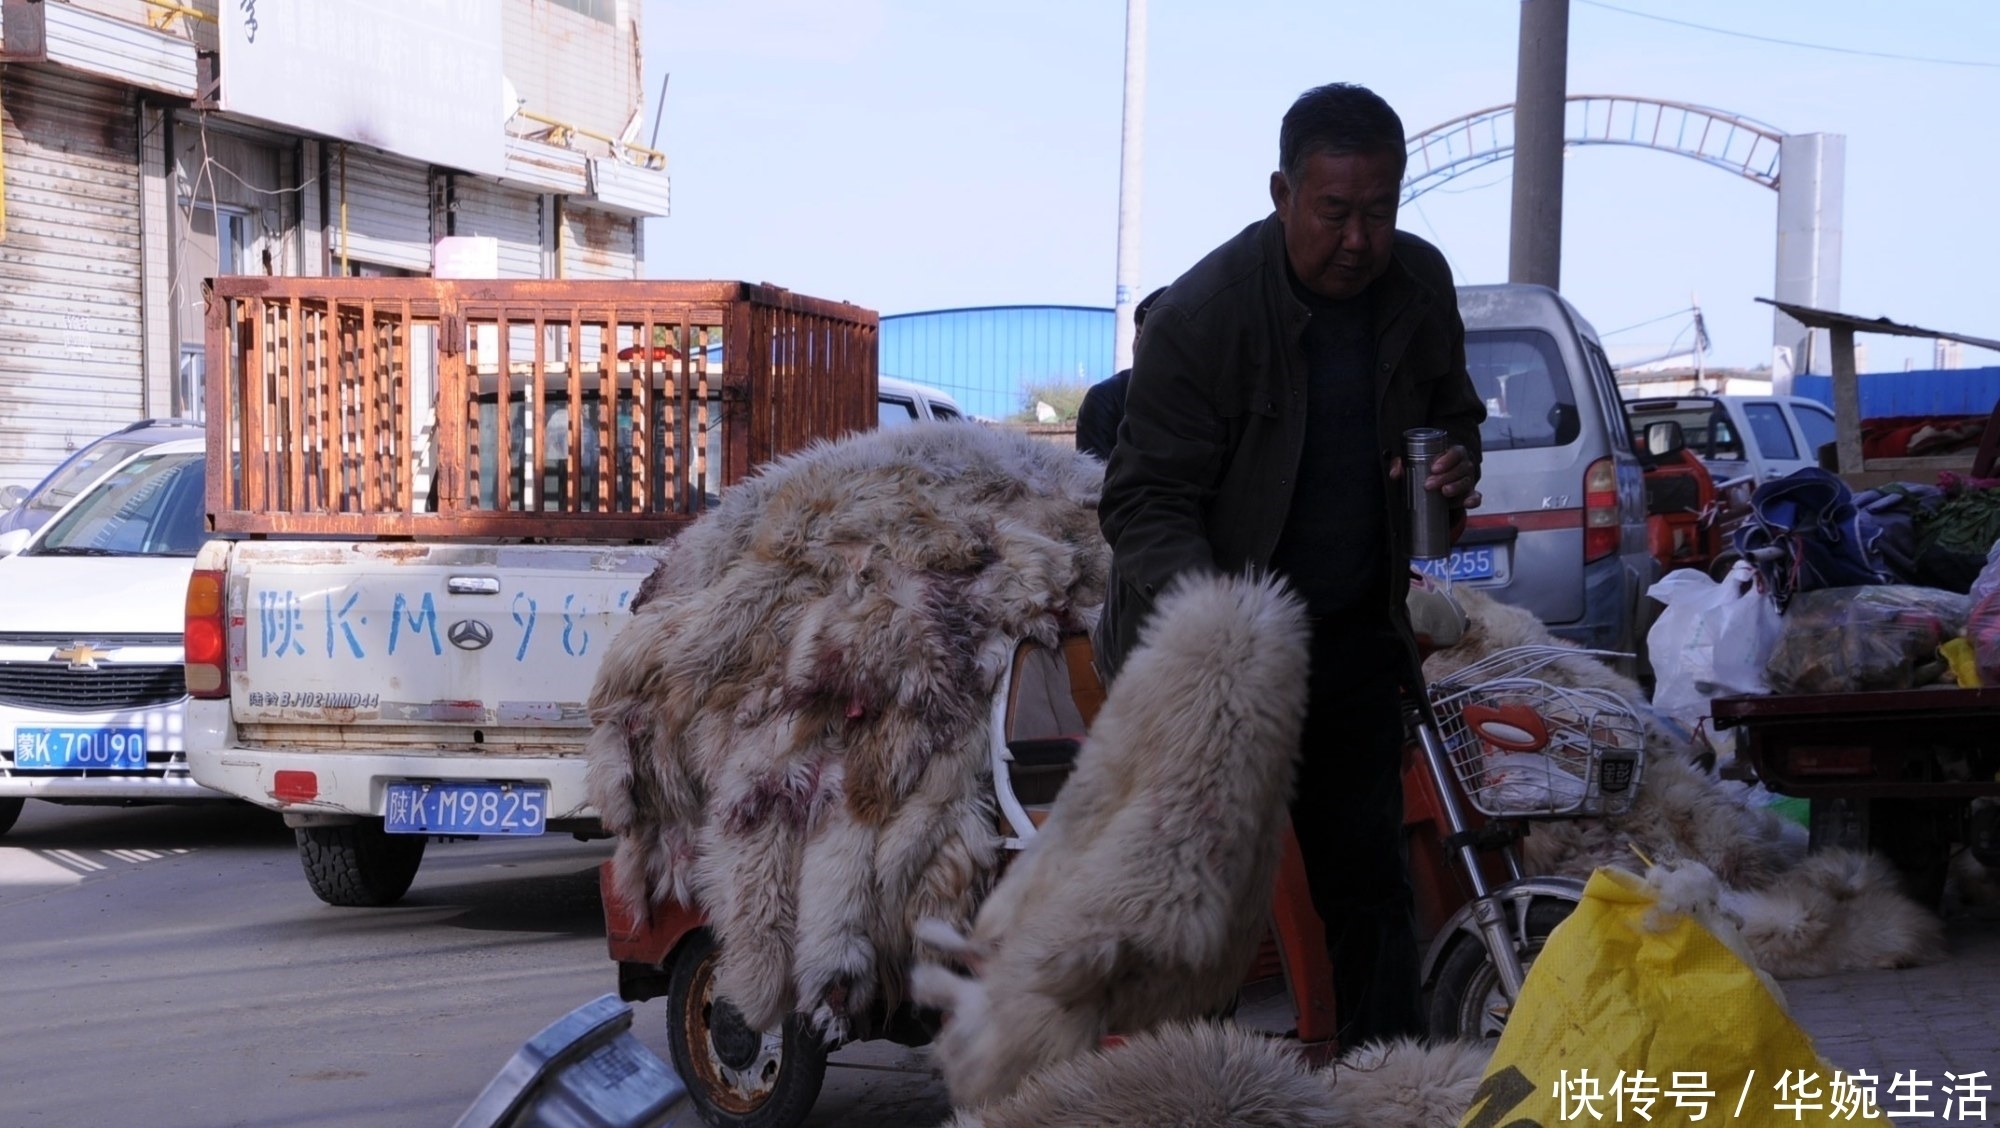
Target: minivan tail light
1602	529
205	636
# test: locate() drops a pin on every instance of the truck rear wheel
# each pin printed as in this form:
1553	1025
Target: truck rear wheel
359	865
10	809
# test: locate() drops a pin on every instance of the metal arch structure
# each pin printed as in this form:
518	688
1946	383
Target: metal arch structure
1731	142
1806	170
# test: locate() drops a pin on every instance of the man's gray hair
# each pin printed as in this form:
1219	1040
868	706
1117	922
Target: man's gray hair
1338	118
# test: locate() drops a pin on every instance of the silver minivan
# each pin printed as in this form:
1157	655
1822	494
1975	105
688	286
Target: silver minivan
1562	528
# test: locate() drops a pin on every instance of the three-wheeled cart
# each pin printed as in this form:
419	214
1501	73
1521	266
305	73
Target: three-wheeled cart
1894	771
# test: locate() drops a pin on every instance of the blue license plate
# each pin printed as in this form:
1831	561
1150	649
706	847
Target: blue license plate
68	749
1463	564
467	808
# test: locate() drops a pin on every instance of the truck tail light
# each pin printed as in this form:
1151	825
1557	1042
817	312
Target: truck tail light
1602	529
205	636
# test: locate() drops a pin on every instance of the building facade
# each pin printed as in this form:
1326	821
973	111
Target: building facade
147	145
990	357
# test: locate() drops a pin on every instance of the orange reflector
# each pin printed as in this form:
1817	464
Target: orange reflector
295	787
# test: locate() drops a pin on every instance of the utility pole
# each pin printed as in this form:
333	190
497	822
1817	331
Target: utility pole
1541	79
1131	160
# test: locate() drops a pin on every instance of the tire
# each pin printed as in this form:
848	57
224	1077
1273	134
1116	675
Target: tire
10	809
360	865
1465	998
738	1077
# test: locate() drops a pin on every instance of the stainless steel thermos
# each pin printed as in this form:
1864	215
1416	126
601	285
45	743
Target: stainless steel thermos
1430	516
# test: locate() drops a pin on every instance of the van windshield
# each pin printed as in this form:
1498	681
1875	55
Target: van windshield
1529	400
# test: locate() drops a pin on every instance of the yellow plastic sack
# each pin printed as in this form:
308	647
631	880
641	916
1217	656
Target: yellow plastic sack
1615	1016
1964	663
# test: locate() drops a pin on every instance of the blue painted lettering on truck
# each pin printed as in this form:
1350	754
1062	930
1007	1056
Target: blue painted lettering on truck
425	618
281	619
284	631
526	623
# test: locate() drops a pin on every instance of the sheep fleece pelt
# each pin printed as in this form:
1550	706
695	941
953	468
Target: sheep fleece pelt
1143	897
1219	1075
792	732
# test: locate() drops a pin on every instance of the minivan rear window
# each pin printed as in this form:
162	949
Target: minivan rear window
1529	400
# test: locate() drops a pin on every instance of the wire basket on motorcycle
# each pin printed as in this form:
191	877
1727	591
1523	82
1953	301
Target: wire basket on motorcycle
1526	747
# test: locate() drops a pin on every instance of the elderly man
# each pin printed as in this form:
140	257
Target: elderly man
1263	426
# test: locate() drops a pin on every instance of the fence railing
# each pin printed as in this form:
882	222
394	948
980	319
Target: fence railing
606	410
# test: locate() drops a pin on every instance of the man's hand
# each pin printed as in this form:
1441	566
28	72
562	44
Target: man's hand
1452	474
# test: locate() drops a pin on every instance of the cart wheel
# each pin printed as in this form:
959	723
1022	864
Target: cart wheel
739	1077
1466	1001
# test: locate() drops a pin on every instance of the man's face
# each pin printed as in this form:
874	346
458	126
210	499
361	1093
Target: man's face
1339	219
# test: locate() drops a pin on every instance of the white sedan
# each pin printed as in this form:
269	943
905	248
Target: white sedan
91	613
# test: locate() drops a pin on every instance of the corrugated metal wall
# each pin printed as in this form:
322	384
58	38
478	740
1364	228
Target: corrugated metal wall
70	324
387	219
598	244
987	358
510	215
1888	395
157	225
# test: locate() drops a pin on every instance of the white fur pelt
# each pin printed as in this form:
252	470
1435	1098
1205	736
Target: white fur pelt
1804	915
1837	911
792	734
1407	1084
1193	1075
1142	898
1220	1075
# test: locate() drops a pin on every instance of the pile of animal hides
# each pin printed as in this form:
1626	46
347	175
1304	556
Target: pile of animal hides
792	734
1803	915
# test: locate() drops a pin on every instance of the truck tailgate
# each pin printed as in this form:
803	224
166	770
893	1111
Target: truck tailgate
398	635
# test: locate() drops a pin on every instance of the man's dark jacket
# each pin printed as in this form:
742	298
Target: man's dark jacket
1102	410
1202	476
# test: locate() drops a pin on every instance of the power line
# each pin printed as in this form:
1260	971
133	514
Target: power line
1654	321
1794	42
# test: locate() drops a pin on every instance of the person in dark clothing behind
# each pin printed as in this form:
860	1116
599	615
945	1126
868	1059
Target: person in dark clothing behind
1263	429
1104	404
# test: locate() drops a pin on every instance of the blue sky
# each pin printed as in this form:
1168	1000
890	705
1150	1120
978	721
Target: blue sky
909	155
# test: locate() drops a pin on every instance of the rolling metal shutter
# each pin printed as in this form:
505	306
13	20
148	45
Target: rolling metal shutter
388	210
70	306
510	215
599	244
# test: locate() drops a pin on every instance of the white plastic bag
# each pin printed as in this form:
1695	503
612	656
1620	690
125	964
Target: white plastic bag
1713	640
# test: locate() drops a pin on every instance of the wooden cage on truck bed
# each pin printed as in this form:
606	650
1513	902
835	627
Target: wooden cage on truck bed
420	407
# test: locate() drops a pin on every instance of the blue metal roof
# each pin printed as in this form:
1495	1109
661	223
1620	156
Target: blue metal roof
988	356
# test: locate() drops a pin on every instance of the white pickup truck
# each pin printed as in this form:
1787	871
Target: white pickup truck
419	561
1743	439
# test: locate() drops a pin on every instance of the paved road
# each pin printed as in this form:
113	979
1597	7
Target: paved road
168	966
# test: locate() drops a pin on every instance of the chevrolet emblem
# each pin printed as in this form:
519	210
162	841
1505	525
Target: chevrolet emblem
82	656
